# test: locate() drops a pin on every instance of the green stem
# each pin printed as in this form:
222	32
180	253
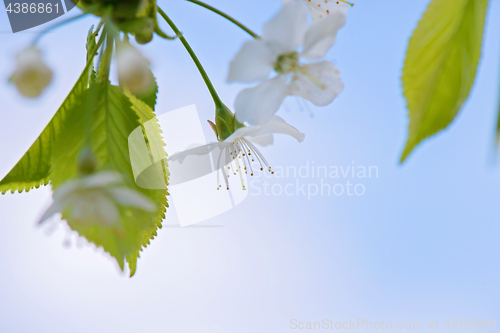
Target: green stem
57	25
224	15
203	73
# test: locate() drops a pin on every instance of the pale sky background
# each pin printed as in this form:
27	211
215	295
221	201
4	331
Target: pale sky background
421	244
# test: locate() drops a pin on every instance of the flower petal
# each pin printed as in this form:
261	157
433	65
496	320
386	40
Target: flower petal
101	179
278	125
258	104
95	208
254	62
264	140
201	150
320	9
56	207
67	189
128	197
106	211
320	83
286	30
133	69
243	132
321	36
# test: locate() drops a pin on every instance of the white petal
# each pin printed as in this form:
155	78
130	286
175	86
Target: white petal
67	189
320	83
74	186
133	70
279	126
320	9
264	140
258	104
201	150
286	30
254	62
56	207
107	212
128	197
321	36
95	208
243	132
101	179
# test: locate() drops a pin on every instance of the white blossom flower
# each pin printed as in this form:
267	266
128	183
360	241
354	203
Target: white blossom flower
287	40
31	75
321	8
238	152
94	199
133	69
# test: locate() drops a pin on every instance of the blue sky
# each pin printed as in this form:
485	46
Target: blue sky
421	244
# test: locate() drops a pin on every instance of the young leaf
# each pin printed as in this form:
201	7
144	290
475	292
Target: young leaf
441	64
107	114
33	170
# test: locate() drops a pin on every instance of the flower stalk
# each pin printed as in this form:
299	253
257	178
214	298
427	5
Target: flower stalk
224	15
188	48
224	118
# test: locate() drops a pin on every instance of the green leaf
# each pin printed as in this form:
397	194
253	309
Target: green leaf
155	143
113	117
441	64
33	170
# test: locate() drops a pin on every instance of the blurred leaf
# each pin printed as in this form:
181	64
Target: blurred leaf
498	122
112	117
441	64
33	170
498	126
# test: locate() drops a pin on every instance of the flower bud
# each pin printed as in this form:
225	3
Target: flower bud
133	70
225	122
87	163
120	9
144	37
31	75
143	29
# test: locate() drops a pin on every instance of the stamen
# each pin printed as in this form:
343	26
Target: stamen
247	144
241	177
347	2
240	149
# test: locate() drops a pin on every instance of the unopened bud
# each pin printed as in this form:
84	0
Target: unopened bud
87	163
31	75
133	70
